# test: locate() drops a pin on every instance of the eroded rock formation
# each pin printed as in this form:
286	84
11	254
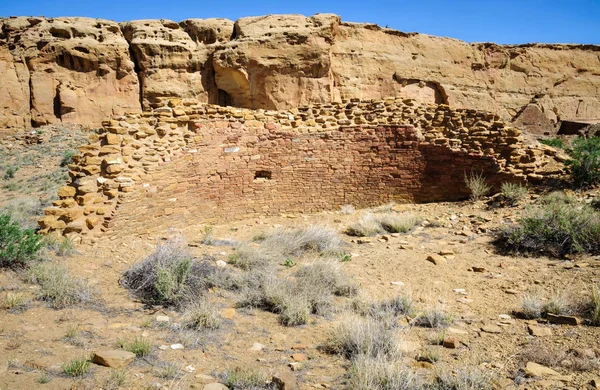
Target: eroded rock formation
81	70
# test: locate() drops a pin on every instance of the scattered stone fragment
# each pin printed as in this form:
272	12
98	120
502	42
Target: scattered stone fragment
162	319
511	291
257	347
436	259
563	320
478	269
446	252
299	347
221	263
494	329
163	347
539	331
113	358
397	283
299	357
296	366
451	342
215	386
504	317
534	369
177	346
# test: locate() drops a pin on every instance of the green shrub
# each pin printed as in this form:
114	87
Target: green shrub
476	183
17	246
140	346
585	161
168	275
556	227
9	173
77	367
554	142
513	193
67	158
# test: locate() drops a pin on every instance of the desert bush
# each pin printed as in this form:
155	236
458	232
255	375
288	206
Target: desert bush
9	172
167	275
585	161
57	286
17	246
554	142
593	309
463	378
389	310
244	379
513	193
379	373
201	314
24	210
77	367
556	227
299	241
117	378
531	306
356	336
326	277
542	353
371	224
434	317
249	257
14	302
477	184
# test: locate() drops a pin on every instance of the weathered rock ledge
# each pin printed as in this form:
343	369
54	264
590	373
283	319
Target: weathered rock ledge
82	70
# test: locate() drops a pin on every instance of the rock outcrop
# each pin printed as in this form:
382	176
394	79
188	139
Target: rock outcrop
82	70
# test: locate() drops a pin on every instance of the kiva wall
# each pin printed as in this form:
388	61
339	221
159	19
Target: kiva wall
201	161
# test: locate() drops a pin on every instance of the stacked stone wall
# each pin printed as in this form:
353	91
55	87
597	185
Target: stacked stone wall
186	159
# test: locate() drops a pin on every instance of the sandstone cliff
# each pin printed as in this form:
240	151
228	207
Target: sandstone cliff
82	70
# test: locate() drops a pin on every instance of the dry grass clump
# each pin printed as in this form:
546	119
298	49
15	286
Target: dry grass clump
244	379
13	302
25	210
201	314
560	303
299	241
356	336
464	378
542	353
347	209
477	184
389	310
593	309
434	317
326	277
169	275
371	224
311	290
513	193
57	286
249	257
379	373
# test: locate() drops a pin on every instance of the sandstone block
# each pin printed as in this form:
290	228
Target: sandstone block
114	358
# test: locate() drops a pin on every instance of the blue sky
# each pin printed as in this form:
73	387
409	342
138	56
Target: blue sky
507	21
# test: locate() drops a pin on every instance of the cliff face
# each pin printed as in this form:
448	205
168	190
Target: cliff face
81	70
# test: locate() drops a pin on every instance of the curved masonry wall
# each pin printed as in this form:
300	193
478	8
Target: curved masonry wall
201	161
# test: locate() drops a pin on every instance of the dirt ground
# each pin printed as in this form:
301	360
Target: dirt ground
483	303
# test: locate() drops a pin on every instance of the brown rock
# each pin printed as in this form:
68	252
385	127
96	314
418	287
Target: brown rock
66	192
494	329
114	358
539	331
215	386
563	320
436	259
299	357
535	369
451	342
285	381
